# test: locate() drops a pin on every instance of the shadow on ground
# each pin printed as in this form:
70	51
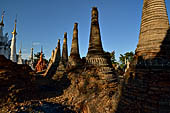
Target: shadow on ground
43	107
17	84
44	88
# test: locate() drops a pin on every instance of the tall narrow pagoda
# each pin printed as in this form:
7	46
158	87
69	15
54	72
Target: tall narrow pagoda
95	44
61	68
13	56
64	56
96	56
74	58
54	61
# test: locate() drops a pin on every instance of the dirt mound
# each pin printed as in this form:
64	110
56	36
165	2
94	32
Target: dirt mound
13	79
88	93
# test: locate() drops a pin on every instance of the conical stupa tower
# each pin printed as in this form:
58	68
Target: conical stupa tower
64	57
74	58
75	45
54	61
63	61
146	89
153	31
96	56
95	44
57	54
13	45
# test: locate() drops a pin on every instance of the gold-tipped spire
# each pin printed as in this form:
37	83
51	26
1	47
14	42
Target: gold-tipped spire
14	31
2	22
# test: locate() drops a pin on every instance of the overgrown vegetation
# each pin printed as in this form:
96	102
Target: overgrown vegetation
123	59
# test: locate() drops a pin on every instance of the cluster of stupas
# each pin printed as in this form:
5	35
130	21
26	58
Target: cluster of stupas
95	56
4	42
8	47
146	85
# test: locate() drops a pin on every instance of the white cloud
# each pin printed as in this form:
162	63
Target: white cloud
36	43
25	55
24	50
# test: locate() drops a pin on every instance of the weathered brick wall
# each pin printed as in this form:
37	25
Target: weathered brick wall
146	91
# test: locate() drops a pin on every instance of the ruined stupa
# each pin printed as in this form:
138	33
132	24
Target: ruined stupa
63	60
74	58
146	89
153	38
64	56
41	65
96	56
54	61
95	44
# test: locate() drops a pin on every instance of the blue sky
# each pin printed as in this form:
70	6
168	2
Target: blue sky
43	22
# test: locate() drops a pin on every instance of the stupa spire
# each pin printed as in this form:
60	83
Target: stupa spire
95	44
14	31
96	55
74	58
58	43
75	46
54	62
153	31
65	50
2	18
57	53
13	44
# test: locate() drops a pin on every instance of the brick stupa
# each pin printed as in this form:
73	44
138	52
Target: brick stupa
154	36
54	61
63	61
41	65
65	50
74	58
96	56
147	87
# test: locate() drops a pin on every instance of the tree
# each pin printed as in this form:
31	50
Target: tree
37	55
113	59
128	56
111	56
